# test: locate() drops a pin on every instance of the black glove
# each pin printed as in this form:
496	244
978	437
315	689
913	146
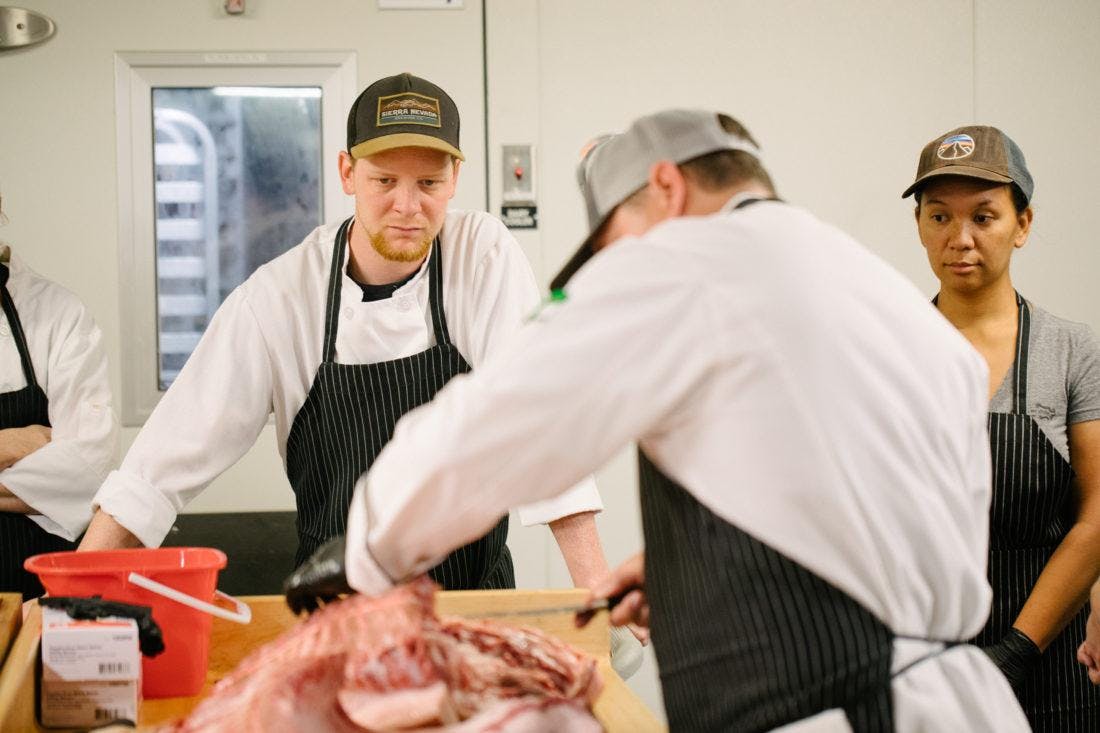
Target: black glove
1014	655
319	579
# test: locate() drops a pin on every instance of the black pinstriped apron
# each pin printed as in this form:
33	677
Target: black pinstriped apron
1031	513
349	416
19	536
746	639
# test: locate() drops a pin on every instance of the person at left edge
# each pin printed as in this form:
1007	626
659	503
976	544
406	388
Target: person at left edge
58	433
339	337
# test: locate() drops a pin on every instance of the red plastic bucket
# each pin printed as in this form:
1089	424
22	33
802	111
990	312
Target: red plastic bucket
177	582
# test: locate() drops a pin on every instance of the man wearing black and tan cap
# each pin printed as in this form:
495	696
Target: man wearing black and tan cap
338	338
814	489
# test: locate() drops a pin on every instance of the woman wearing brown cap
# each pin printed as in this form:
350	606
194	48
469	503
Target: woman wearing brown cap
973	195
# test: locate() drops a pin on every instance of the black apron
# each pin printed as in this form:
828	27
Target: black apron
1031	513
747	639
349	416
19	536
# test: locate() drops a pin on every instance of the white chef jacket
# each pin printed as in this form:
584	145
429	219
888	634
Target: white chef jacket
795	384
66	348
262	349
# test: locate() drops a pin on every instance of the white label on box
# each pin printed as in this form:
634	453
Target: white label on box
87	704
105	649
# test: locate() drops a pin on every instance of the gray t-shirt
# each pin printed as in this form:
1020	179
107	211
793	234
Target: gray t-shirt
1063	377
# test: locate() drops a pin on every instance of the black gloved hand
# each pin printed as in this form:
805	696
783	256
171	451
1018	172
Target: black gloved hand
319	579
1014	655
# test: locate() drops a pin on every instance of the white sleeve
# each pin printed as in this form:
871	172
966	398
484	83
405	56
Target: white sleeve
582	497
204	423
506	295
550	407
60	479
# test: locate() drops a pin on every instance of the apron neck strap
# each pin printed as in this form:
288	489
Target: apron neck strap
332	301
435	295
335	279
16	328
749	201
1023	338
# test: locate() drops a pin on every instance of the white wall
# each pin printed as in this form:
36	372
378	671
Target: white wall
1037	71
841	95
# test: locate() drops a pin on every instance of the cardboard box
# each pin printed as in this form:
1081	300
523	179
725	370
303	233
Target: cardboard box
91	670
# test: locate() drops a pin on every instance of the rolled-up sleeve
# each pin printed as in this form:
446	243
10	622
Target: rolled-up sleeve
59	480
204	423
583	497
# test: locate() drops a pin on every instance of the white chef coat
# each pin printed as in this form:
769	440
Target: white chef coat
262	349
66	348
794	383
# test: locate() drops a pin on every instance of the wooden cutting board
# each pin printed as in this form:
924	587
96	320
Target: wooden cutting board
617	708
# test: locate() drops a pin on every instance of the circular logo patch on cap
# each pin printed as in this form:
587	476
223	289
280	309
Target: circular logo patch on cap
955	147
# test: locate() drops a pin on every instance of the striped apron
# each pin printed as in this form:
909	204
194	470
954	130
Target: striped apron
1031	513
19	536
745	638
349	416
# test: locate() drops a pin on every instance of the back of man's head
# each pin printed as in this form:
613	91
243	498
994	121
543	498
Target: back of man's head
729	168
713	150
712	147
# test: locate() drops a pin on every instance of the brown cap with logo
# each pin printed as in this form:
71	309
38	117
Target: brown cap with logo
403	111
974	151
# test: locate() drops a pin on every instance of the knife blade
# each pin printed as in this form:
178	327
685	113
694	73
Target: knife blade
584	611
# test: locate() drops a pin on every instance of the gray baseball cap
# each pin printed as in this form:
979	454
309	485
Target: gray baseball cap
974	151
615	166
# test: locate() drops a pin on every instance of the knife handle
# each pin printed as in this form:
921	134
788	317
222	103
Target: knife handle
616	599
583	617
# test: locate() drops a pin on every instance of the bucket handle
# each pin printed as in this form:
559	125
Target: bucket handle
243	614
